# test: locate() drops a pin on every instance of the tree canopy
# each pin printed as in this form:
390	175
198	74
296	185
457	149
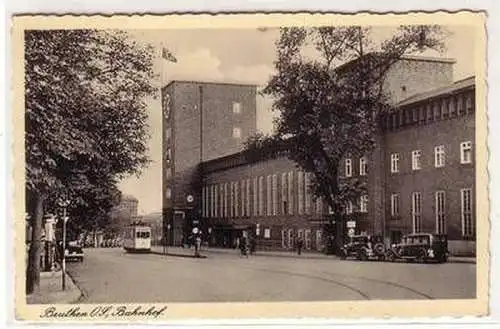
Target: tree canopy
85	120
329	106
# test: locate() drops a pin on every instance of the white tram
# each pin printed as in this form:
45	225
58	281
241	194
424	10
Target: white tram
137	238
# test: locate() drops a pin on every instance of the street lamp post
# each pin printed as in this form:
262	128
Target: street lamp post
64	203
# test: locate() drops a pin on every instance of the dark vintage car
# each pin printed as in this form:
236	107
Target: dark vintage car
74	252
420	247
364	247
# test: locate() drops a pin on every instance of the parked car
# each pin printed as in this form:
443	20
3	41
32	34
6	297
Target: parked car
421	247
363	247
73	252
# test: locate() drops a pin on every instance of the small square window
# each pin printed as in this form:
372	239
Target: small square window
236	132
236	108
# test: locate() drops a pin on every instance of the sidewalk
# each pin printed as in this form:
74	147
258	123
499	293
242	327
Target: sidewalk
189	252
51	290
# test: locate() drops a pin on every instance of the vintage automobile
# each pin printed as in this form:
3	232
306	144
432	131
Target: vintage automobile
73	251
420	247
363	247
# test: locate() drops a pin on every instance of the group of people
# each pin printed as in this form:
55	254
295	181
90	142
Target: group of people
248	245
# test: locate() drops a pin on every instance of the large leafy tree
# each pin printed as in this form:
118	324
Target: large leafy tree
329	106
85	93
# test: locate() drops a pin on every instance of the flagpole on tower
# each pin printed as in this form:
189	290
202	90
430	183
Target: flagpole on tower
168	56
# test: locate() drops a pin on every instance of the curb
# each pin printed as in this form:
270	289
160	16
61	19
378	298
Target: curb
176	255
82	294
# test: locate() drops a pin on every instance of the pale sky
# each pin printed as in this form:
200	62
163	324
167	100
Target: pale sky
233	55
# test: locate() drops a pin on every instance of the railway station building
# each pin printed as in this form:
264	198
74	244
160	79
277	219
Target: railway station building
420	175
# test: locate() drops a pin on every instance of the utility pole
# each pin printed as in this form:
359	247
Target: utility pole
64	203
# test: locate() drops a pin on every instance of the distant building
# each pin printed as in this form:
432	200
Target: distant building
421	174
126	210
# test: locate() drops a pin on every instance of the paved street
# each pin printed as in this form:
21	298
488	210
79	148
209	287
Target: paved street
110	275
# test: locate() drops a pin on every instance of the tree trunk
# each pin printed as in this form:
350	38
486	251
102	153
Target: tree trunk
33	268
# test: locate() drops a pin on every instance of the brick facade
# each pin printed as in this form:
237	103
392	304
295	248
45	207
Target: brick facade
198	123
420	121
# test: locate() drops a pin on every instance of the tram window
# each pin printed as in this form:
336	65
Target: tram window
143	235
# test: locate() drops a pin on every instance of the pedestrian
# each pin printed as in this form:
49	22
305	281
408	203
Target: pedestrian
237	244
243	246
299	245
197	246
253	246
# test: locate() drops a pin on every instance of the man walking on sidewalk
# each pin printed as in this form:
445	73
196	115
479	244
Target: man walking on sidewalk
299	245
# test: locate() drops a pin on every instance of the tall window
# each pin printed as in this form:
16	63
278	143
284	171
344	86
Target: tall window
221	200
416	211
348	167
363	203
231	199
308	238
348	208
236	108
440	212
318	239
216	199
243	199
439	156
248	198
275	194
394	162
300	187
284	194
290	192
212	201
204	198
269	196
466	152
363	166
415	160
468	229
307	185
290	238
225	200
255	197
394	204
168	134
283	239
168	155
236	199
261	196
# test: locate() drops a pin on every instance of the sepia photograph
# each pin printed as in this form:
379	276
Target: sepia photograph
272	162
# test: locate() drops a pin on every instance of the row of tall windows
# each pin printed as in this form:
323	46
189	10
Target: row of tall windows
289	238
439	109
439	157
467	218
269	195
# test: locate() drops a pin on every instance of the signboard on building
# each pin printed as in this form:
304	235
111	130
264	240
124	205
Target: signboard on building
351	224
350	232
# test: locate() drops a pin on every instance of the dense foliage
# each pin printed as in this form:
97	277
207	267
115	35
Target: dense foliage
329	106
86	128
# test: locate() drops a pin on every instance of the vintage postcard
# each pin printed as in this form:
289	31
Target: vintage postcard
250	166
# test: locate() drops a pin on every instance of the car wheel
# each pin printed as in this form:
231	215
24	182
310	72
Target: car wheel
421	257
391	257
